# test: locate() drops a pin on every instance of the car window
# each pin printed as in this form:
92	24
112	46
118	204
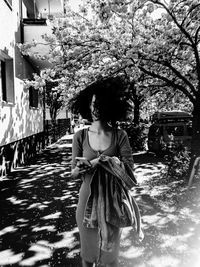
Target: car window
154	130
175	130
189	130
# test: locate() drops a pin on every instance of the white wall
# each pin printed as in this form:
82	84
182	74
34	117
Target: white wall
6	28
17	120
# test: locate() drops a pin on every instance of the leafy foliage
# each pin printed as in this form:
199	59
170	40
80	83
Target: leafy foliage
177	159
54	99
137	135
154	42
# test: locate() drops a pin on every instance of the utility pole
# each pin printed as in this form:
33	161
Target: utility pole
49	8
34	7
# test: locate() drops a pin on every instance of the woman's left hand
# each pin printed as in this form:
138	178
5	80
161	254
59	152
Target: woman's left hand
117	160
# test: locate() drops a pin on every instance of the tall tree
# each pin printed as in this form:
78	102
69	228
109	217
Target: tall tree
158	54
168	52
164	46
85	47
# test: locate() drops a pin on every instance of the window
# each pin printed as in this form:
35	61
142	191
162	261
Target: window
155	131
7	79
175	130
33	97
189	129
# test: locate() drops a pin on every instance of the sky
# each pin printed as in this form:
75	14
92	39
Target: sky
74	4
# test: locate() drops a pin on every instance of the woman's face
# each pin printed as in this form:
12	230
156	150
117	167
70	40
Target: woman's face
94	109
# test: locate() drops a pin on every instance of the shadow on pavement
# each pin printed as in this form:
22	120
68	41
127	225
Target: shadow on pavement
170	218
37	222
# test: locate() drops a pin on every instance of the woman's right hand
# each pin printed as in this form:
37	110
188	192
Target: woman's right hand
80	169
75	172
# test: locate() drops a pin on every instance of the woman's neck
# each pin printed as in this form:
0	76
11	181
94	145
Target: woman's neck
99	126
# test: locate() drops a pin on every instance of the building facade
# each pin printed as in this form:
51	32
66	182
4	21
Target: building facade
21	110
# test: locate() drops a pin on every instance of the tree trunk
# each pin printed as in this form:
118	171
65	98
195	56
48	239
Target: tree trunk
136	112
136	101
53	122
195	146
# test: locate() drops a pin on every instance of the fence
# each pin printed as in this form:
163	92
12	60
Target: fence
53	133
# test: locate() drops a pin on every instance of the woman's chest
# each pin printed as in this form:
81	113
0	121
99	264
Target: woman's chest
99	142
93	147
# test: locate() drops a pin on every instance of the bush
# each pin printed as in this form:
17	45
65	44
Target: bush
177	160
137	135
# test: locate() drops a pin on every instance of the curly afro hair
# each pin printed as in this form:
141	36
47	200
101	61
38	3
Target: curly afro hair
112	98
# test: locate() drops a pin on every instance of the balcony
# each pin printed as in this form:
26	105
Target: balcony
33	21
32	31
38	23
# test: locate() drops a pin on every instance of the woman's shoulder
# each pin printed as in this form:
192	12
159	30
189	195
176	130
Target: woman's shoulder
121	133
80	134
121	136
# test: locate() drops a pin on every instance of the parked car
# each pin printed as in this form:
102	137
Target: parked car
170	127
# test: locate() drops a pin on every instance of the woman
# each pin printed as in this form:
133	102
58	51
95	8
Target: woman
103	103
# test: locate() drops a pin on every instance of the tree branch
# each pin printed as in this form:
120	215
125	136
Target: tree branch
196	36
175	71
179	75
189	12
182	29
168	82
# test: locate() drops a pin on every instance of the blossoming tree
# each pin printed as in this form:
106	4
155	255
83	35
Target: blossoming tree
155	43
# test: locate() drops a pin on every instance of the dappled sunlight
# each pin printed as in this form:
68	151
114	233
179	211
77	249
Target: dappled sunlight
186	213
22	220
144	171
8	229
8	257
170	221
38	214
40	252
168	209
163	261
158	190
152	219
49	228
66	195
38	226
73	253
177	242
66	173
125	241
52	216
132	252
68	239
16	201
38	206
24	181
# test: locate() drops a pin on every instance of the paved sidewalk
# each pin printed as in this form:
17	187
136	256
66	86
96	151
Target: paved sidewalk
37	215
37	204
